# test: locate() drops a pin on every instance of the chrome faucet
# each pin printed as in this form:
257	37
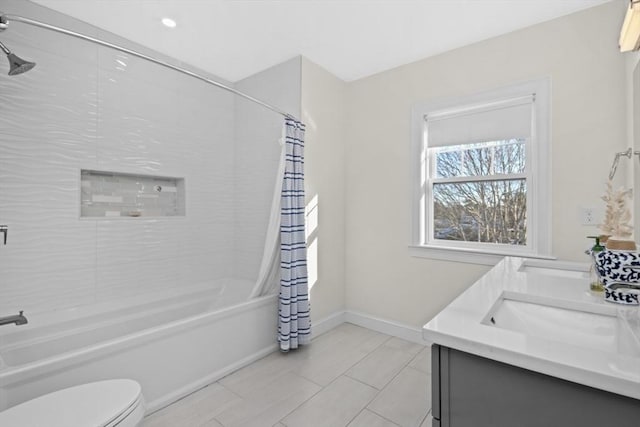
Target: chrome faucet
17	319
624	285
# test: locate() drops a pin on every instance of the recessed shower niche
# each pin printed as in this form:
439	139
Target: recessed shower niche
112	194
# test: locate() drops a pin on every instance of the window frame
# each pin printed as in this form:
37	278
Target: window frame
537	171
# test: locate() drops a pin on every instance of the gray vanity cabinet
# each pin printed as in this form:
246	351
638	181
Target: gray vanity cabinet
473	391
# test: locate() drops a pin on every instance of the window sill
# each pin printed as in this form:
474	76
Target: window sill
469	256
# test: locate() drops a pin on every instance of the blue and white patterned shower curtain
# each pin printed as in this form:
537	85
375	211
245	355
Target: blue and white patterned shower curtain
294	324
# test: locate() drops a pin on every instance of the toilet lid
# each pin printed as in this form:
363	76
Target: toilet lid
88	405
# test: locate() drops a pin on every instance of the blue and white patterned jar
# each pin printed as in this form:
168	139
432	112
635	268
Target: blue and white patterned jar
620	274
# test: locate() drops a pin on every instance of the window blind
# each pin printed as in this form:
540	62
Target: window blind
495	121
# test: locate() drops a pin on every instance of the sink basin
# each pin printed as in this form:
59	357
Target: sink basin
604	329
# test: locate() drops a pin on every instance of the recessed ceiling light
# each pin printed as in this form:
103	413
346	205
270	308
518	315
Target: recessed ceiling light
168	22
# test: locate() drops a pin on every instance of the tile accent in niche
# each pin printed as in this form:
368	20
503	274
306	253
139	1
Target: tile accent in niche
114	194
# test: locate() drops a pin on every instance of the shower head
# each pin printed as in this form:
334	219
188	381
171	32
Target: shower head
17	65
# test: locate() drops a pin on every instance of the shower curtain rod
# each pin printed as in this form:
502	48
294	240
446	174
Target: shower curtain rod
35	23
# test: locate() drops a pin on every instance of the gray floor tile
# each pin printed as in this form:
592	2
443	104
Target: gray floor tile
285	390
259	373
194	410
422	361
367	418
406	399
331	356
265	406
336	405
383	364
427	421
210	423
404	345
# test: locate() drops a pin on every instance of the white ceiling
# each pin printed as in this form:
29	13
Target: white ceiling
350	38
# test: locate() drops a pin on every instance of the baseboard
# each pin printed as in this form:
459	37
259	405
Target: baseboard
388	327
322	326
377	324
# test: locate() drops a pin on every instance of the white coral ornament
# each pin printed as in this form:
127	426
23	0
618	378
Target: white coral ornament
617	217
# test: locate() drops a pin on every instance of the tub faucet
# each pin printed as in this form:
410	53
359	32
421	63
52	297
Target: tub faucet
17	319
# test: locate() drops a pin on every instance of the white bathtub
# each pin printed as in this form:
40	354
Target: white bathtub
173	344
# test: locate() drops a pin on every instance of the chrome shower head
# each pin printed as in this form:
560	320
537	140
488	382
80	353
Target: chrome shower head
17	65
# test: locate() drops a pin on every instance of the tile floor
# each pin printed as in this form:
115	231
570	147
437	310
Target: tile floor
350	376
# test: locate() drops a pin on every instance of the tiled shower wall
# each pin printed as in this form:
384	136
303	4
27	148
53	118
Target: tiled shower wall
89	107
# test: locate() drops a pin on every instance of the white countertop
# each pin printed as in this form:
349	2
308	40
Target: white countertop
464	325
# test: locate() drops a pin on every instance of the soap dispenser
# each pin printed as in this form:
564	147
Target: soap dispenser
595	282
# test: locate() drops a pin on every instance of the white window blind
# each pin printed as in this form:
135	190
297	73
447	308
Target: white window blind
477	123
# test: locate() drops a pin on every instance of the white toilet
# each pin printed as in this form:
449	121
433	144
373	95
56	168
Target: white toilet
107	403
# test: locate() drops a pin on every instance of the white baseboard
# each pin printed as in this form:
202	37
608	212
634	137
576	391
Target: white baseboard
325	325
377	324
388	327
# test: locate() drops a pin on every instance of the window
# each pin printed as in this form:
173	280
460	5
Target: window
481	175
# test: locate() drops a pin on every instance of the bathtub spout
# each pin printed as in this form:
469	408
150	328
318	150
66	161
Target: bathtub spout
17	319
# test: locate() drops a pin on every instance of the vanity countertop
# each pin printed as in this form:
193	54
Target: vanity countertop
603	360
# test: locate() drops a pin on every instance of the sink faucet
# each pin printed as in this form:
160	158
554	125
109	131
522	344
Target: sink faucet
624	285
17	319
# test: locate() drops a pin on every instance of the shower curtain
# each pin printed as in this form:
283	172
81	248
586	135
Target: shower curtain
288	265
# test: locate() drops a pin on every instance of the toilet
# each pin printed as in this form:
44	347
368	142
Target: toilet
107	403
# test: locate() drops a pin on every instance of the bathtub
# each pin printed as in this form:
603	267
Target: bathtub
172	344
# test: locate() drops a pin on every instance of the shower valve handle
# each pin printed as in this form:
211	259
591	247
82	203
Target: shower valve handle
4	230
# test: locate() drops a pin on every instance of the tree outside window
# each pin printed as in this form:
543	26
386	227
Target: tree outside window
480	192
